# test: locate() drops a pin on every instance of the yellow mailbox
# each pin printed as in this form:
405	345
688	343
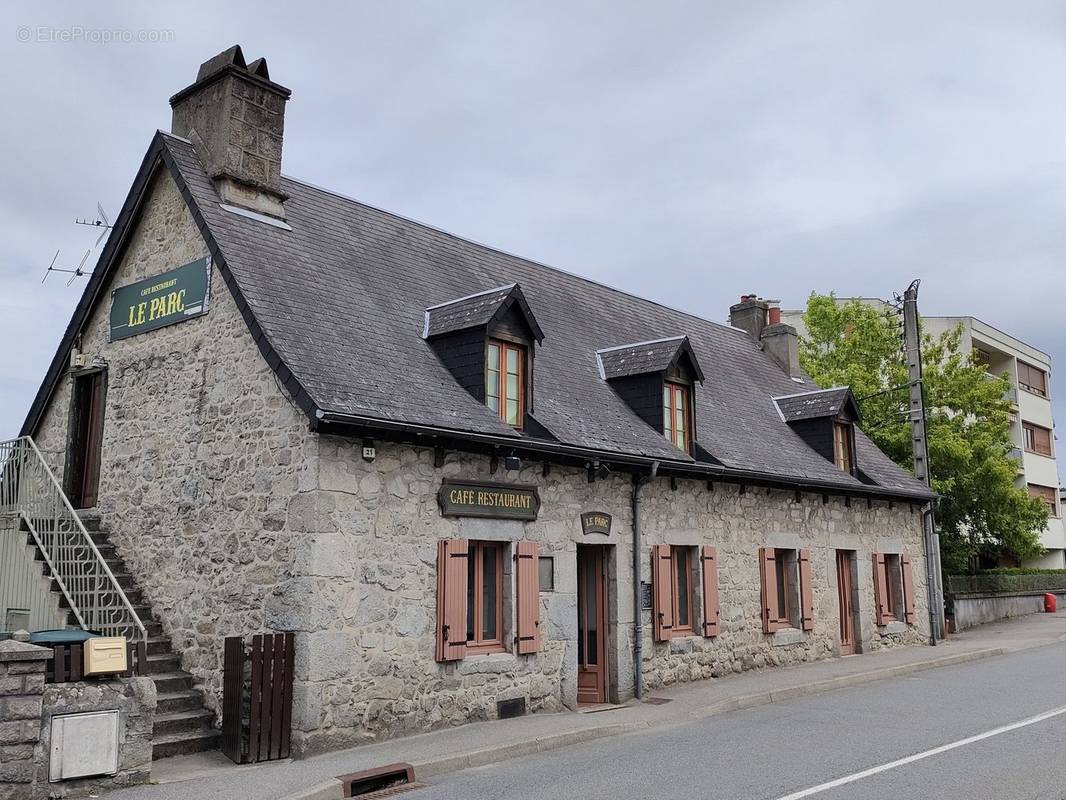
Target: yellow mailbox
105	655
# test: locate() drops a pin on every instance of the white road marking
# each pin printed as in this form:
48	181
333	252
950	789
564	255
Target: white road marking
866	773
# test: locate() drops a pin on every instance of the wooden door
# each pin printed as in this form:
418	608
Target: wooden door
845	586
86	438
591	626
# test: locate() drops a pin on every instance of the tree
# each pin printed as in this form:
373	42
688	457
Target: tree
981	511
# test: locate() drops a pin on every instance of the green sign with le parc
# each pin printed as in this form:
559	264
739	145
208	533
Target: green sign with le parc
161	300
497	500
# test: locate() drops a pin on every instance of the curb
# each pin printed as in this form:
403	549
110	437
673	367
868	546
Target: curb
330	790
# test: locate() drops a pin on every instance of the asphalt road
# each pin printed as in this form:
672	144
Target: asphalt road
840	745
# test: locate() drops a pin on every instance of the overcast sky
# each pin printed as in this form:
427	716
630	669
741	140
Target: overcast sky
688	152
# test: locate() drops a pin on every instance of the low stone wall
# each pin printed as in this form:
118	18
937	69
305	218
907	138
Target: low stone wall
979	608
21	688
27	706
134	699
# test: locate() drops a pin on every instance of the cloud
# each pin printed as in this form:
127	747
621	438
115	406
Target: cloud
688	152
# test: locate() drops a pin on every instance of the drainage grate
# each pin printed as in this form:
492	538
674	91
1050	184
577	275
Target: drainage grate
656	701
379	782
391	791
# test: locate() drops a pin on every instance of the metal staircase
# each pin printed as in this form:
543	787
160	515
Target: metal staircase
98	591
32	499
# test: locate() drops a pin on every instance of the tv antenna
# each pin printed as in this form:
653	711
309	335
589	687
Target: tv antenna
101	221
77	272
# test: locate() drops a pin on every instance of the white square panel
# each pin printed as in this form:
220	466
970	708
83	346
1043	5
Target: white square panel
84	744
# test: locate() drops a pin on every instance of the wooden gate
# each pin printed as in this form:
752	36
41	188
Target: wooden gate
257	697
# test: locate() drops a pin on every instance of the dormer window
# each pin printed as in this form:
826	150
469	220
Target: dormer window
843	448
486	341
677	406
825	419
643	372
505	380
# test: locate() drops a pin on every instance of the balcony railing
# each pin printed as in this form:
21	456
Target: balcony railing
31	500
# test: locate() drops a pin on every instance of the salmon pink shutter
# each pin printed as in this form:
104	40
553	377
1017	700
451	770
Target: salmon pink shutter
880	590
527	579
908	588
662	593
806	591
452	557
711	611
768	578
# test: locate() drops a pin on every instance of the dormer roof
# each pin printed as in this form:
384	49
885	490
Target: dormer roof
478	310
821	403
642	358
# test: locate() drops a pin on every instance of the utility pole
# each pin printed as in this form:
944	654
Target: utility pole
912	343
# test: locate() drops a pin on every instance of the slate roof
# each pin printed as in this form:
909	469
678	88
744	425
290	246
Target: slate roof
337	307
821	403
645	357
476	310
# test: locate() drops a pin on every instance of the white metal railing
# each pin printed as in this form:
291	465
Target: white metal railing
32	499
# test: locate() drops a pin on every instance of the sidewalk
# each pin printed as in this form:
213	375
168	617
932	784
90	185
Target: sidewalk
477	744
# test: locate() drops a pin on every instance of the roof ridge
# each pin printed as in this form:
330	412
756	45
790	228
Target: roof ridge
509	254
813	391
641	344
472	296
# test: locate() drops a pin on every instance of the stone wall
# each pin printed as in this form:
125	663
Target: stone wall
134	699
738	524
22	669
364	603
365	596
968	610
203	454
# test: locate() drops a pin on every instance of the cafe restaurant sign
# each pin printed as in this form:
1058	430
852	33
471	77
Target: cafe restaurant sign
595	522
161	300
498	500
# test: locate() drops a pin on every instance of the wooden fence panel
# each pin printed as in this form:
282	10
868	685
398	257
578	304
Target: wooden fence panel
264	699
232	692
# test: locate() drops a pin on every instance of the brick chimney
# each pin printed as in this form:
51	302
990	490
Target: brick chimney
750	315
235	117
762	321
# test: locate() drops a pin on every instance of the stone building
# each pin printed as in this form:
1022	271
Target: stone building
470	483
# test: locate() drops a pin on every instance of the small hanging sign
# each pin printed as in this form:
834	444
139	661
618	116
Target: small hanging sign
595	522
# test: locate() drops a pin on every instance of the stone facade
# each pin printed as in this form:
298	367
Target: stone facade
236	518
365	600
202	453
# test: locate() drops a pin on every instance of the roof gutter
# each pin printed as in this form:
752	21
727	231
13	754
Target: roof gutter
693	469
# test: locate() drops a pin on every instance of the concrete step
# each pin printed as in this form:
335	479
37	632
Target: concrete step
171	682
163	663
90	521
175	744
173	702
181	722
157	644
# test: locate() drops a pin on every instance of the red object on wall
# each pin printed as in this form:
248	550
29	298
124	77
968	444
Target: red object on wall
1051	603
775	315
662	594
451	599
528	590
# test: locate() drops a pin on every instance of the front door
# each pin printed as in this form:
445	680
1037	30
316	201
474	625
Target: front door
591	626
86	436
845	586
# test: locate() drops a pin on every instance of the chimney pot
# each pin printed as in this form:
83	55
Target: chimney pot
775	315
235	117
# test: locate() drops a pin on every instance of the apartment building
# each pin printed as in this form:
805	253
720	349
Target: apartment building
1032	426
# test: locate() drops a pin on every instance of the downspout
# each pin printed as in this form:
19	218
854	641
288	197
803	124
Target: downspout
639	482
